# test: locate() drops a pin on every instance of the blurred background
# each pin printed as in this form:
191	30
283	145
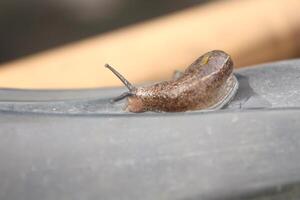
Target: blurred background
65	43
31	26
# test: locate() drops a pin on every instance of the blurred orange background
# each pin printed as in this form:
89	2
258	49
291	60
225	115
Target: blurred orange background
252	31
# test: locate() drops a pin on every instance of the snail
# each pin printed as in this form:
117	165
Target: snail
208	83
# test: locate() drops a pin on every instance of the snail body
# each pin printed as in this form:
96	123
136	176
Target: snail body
205	84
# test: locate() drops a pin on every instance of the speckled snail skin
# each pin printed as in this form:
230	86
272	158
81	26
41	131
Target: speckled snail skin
206	84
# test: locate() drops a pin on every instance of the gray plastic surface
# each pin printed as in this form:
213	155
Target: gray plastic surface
248	150
266	86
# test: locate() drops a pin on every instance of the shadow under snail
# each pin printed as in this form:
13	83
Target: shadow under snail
208	83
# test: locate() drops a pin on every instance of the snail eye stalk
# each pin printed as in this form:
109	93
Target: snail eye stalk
122	78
